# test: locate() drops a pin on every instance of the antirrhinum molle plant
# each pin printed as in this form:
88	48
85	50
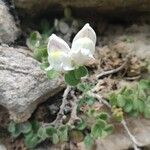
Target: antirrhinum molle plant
71	61
81	116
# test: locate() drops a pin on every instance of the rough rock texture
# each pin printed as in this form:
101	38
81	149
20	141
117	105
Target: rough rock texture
102	6
133	39
2	147
8	29
23	85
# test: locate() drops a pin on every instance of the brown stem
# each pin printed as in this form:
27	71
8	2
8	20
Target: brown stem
74	116
113	70
60	114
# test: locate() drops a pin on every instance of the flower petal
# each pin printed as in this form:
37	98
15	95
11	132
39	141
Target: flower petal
55	43
60	61
83	43
81	56
86	31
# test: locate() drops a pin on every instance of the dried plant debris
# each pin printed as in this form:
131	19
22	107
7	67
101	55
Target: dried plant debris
111	59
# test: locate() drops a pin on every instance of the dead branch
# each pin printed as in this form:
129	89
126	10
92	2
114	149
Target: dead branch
60	114
113	70
74	104
133	78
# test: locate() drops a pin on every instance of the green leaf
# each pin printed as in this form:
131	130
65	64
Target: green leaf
86	100
44	65
25	127
35	126
144	84
92	112
81	125
141	94
135	103
128	107
97	128
14	129
84	87
120	100
80	72
134	113
71	79
40	53
127	92
34	40
55	138
63	133
50	131
103	115
104	134
113	99
42	134
109	128
32	140
51	74
147	112
141	106
76	136
89	142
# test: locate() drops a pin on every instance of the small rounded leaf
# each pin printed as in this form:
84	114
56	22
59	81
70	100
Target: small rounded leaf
71	79
81	72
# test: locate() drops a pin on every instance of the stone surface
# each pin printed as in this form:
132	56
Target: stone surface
2	147
8	29
23	85
102	6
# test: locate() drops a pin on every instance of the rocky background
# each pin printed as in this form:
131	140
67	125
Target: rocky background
121	25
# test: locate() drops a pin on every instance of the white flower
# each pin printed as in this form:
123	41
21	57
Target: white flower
62	58
58	54
83	46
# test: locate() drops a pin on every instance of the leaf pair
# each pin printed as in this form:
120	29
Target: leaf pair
73	77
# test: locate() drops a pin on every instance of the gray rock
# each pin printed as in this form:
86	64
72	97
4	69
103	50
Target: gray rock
8	29
100	6
63	27
23	85
2	147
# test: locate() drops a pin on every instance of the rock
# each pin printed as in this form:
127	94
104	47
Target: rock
23	85
2	147
63	27
119	140
8	29
100	6
66	30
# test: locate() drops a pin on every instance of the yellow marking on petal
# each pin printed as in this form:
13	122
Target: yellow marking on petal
56	54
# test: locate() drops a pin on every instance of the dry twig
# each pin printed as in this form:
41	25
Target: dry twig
74	104
114	70
60	114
